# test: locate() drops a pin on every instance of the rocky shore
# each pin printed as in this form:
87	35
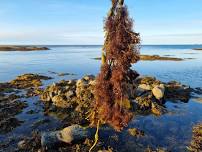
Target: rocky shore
71	100
147	94
10	98
22	48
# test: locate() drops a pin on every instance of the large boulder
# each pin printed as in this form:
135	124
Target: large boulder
158	91
69	135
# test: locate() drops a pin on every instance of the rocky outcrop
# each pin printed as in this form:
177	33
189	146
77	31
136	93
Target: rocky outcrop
72	92
27	81
146	93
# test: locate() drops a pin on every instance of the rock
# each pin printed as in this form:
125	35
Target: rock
89	77
145	87
69	135
196	142
158	91
177	92
158	109
135	132
59	101
22	144
145	80
81	83
28	80
199	100
69	94
138	92
105	150
144	102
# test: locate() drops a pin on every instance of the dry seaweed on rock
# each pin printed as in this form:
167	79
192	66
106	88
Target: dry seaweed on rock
31	144
10	106
28	81
196	142
121	49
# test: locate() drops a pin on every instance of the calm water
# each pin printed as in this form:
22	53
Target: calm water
77	59
172	130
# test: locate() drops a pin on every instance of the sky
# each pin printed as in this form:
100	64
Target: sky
74	22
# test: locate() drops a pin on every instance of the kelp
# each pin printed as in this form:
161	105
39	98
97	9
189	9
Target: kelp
120	50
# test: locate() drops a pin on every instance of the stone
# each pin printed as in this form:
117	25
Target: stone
69	135
199	100
69	94
81	83
158	91
195	144
144	102
22	144
89	77
145	87
158	109
135	132
59	101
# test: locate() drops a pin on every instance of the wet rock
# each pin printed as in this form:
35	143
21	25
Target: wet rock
28	80
40	122
31	92
22	144
158	109
148	80
8	124
175	91
158	91
70	94
89	77
60	101
30	144
9	107
145	87
149	94
196	142
84	93
199	100
109	150
144	102
69	135
135	132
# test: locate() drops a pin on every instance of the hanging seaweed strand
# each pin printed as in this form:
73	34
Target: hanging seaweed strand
121	49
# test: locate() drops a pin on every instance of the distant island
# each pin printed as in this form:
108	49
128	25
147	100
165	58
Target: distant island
200	49
22	48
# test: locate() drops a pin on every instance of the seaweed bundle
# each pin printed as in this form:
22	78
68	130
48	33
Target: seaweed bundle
121	49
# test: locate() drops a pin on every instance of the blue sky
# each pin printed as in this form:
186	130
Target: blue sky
81	21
